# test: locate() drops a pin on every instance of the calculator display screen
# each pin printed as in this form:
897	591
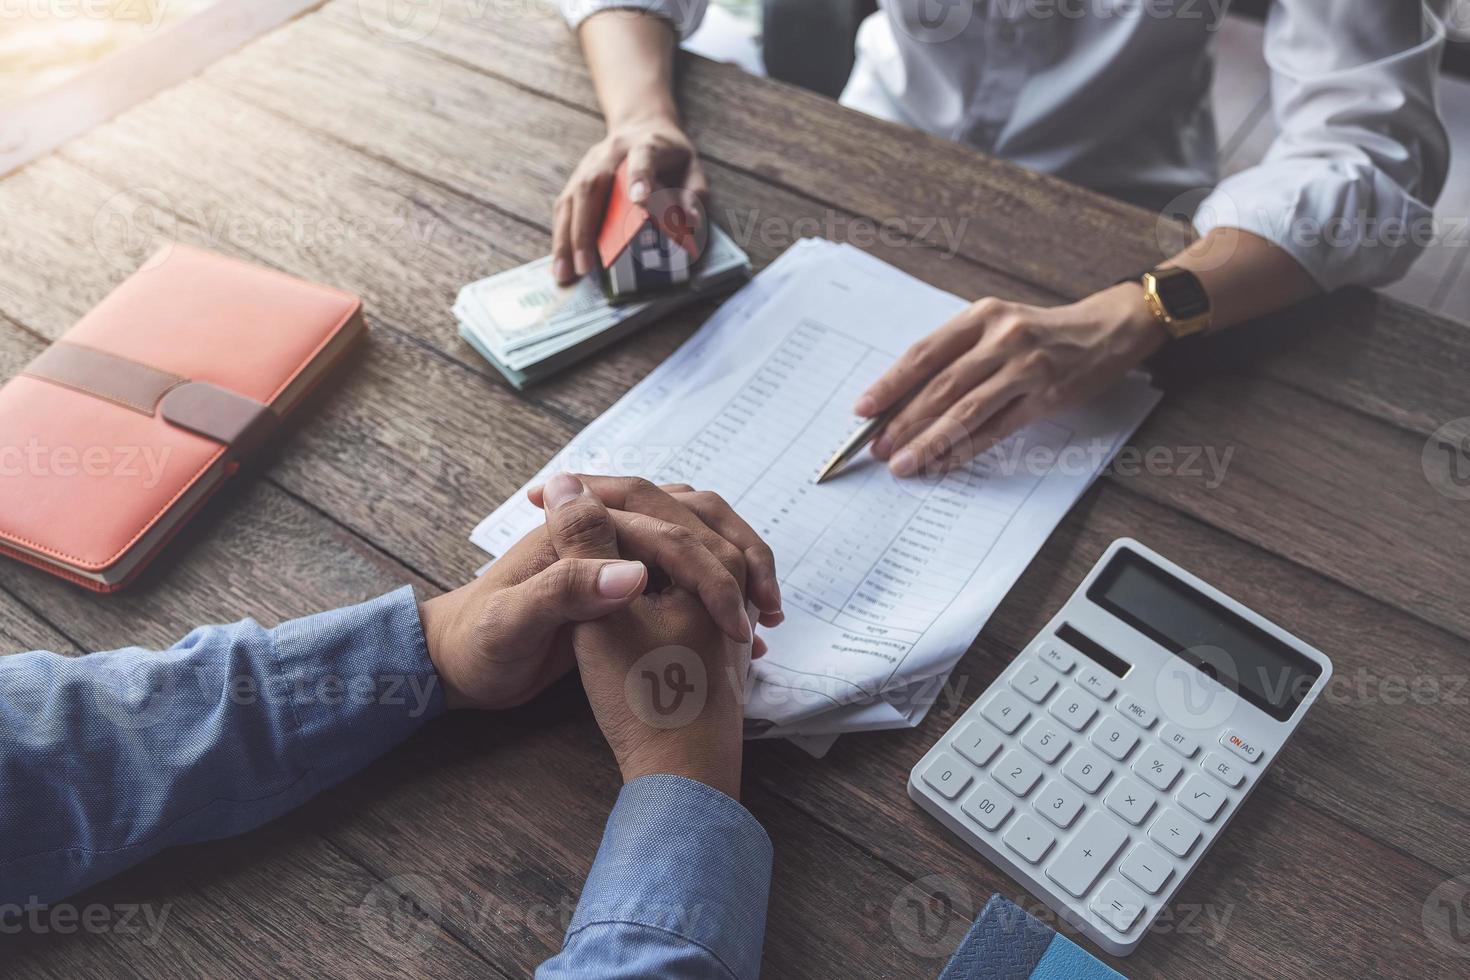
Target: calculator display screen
1268	673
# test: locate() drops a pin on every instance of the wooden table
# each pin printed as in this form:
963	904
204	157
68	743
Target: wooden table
403	166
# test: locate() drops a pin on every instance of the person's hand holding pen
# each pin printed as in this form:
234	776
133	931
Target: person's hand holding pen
999	366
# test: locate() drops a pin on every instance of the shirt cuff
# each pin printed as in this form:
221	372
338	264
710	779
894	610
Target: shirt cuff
1346	225
359	681
684	15
684	858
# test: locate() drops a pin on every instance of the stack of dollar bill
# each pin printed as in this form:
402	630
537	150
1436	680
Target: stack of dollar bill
528	327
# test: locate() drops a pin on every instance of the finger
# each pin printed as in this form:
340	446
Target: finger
589	208
684	556
695	182
534	493
578	522
758	648
641	496
920	362
951	384
642	172
572	590
693	209
1008	421
760	561
638	495
562	268
952	434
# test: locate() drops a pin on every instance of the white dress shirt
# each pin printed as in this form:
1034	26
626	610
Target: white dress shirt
1114	95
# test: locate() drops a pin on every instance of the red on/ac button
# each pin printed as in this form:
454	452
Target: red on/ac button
1238	744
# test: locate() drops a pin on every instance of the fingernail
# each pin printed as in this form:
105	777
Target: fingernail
882	446
638	191
905	463
618	579
583	261
560	489
865	406
562	269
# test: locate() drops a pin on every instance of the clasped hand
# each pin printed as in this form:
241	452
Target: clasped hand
653	592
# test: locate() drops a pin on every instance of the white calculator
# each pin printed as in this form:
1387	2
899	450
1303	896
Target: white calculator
1102	764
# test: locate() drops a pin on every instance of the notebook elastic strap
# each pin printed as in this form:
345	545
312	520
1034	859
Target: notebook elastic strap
198	406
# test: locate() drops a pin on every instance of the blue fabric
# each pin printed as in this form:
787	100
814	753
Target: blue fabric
109	758
678	890
1008	943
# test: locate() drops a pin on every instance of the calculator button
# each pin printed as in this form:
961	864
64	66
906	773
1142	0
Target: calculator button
1157	768
978	743
1130	801
1078	864
1046	741
1094	680
1146	868
1005	711
1087	769
1017	773
1179	740
1028	838
987	806
1237	743
1119	905
1034	682
1223	769
947	775
1136	711
1201	797
1074	710
1058	803
1114	738
1057	656
1174	832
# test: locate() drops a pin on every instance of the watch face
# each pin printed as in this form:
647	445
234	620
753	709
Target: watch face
1181	293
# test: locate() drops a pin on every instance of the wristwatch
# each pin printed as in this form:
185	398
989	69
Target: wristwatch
1176	298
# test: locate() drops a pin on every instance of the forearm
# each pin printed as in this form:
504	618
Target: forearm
109	758
631	58
1244	275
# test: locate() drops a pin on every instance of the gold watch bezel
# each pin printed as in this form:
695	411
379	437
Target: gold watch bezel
1177	328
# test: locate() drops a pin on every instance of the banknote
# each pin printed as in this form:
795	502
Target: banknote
528	326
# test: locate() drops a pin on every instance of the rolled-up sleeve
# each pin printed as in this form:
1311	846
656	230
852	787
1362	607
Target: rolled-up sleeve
1348	186
684	15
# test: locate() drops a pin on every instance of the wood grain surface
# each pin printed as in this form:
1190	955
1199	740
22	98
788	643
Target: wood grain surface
401	166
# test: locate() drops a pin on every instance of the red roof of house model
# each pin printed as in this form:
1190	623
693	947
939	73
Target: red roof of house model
624	219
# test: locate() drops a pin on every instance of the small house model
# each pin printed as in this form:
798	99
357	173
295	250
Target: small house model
644	248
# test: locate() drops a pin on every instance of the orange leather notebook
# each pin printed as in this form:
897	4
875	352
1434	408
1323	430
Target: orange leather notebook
116	434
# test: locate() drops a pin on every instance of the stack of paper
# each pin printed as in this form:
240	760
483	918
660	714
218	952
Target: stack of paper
528	327
886	582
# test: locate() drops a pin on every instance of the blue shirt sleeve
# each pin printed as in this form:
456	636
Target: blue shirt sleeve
678	890
110	758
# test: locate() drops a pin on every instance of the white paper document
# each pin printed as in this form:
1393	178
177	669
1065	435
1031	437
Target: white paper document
885	582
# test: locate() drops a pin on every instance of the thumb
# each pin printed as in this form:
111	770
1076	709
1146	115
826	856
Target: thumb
574	590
